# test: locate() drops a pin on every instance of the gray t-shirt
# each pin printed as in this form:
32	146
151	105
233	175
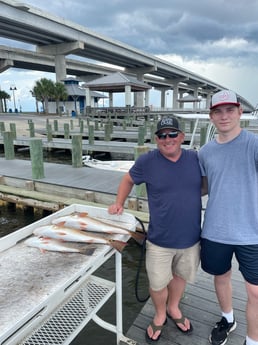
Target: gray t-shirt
231	168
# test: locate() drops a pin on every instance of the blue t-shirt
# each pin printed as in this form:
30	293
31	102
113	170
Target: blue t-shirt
174	197
231	168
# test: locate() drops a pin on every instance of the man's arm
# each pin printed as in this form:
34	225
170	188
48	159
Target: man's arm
124	190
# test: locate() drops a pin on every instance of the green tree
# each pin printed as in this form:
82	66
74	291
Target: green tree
60	94
44	91
3	97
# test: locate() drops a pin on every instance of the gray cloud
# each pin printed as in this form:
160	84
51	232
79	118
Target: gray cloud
162	26
185	27
222	31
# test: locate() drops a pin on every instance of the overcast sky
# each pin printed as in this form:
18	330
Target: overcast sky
215	39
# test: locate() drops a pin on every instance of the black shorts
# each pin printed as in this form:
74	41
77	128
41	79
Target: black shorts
216	259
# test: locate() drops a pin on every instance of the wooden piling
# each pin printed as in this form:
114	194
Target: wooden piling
152	133
77	151
107	132
49	132
91	135
66	131
55	125
8	145
36	156
141	135
13	130
31	129
81	126
2	127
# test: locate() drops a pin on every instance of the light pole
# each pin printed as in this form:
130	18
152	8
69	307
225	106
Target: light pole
13	88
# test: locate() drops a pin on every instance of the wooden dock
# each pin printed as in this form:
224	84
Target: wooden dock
200	305
66	185
63	185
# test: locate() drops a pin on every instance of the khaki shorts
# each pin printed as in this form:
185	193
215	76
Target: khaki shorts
163	263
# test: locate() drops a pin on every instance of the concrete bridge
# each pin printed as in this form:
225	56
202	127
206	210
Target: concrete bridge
54	38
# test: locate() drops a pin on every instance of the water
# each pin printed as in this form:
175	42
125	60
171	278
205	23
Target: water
14	218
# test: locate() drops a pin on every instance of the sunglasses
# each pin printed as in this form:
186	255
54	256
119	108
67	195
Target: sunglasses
163	136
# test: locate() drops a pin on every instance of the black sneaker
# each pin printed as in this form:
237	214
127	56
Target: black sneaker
220	332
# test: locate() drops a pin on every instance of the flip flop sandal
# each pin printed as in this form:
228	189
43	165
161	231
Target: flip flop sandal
181	321
155	328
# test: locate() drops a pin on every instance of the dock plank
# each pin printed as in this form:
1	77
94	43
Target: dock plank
200	305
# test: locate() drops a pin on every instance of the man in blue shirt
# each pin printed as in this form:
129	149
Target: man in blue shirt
173	183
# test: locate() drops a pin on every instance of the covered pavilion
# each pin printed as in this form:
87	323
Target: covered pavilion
120	82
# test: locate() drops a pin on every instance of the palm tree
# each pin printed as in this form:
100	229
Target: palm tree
3	97
44	91
60	94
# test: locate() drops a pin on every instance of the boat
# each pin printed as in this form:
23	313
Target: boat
115	165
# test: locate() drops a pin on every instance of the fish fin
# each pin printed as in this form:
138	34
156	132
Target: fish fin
83	225
60	224
137	236
44	240
83	214
118	245
62	233
87	251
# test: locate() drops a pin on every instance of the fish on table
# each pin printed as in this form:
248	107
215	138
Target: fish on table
74	235
82	221
51	244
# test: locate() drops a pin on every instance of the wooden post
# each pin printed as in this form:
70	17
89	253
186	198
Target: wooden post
141	135
96	125
192	126
91	134
13	130
81	126
2	127
32	129
77	151
49	132
152	133
107	132
140	189
66	130
36	156
8	145
55	125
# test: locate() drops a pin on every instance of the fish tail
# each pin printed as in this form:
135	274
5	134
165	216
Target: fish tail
118	245
137	236
87	251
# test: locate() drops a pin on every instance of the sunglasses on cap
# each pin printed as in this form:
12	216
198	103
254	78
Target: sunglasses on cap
163	136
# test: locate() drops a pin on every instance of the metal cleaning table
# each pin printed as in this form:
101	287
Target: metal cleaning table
48	298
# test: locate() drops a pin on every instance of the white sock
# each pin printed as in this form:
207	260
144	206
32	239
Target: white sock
229	316
250	341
